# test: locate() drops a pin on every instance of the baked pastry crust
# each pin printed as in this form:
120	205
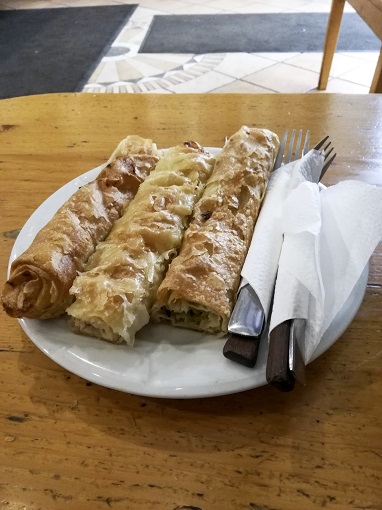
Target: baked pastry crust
40	278
199	290
115	294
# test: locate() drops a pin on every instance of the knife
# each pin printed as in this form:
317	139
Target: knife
245	326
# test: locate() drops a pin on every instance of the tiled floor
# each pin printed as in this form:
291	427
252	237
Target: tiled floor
123	69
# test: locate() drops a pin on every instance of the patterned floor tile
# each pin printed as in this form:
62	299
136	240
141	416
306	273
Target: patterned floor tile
201	84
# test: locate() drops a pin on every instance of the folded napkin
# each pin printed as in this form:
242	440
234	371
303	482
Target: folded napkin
329	236
316	240
260	267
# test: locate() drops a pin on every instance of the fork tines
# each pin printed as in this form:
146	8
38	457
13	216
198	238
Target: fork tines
291	152
326	152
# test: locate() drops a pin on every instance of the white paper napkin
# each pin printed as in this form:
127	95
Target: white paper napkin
260	267
329	236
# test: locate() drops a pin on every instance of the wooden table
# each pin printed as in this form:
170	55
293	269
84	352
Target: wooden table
69	444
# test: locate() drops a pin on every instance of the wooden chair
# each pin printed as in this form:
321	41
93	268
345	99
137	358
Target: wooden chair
371	12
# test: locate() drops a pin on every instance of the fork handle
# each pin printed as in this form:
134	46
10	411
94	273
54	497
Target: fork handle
278	373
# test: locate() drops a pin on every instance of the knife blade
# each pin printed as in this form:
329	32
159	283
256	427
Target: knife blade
245	328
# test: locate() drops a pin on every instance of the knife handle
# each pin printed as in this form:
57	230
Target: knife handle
242	350
278	373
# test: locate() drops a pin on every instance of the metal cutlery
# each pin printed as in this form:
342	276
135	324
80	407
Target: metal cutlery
285	363
247	320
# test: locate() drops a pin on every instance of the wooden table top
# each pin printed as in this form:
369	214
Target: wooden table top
69	444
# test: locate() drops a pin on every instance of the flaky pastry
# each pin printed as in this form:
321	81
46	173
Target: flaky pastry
115	293
40	278
199	290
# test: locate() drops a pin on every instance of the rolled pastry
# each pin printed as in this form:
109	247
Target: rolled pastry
199	290
115	294
40	278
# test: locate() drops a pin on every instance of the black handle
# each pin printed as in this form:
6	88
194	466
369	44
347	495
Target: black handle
242	350
278	373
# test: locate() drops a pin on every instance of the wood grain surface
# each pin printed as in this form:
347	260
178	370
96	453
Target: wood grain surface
68	444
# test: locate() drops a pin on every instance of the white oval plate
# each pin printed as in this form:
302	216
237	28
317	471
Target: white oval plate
165	362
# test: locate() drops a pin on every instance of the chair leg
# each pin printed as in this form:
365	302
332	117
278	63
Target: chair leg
331	39
376	84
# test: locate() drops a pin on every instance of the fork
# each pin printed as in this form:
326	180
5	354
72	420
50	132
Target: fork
247	319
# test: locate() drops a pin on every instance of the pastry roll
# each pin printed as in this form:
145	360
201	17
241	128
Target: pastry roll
115	294
40	278
199	290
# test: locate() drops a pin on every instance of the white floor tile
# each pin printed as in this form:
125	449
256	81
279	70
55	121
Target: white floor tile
131	35
230	5
238	65
312	61
336	85
258	8
367	56
141	13
241	87
127	71
176	58
200	9
284	78
147	69
108	74
323	3
286	5
277	57
319	7
363	74
312	7
162	62
164	6
87	3
27	4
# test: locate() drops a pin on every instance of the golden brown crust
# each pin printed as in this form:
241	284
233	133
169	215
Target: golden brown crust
118	288
200	286
40	279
